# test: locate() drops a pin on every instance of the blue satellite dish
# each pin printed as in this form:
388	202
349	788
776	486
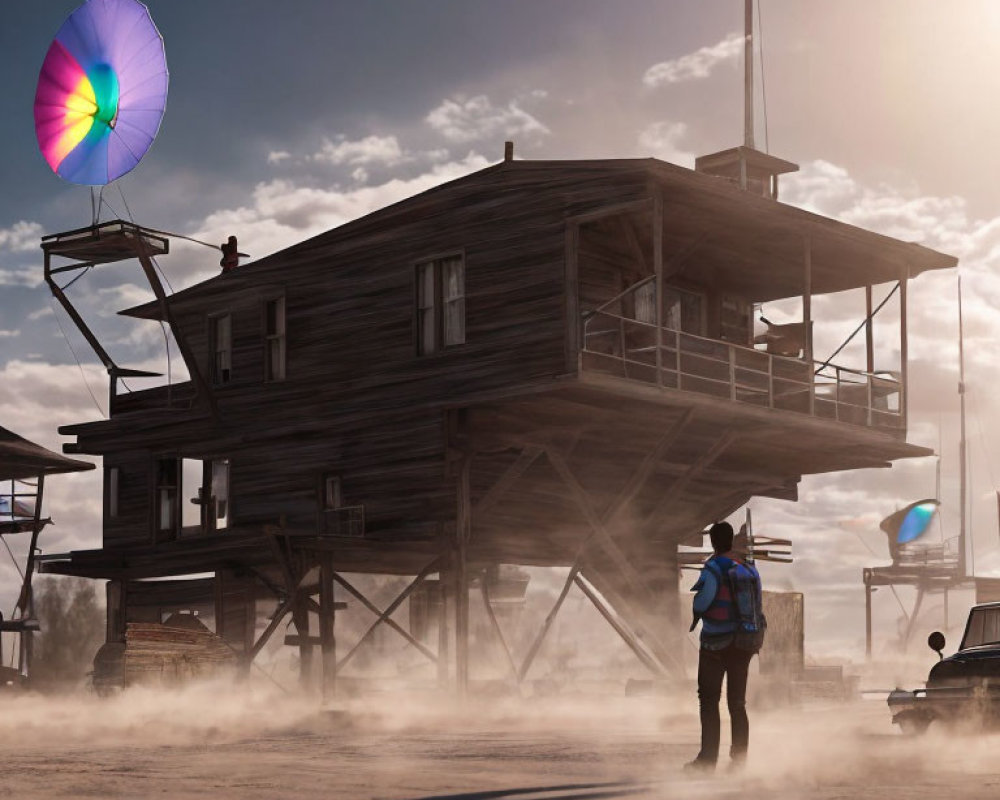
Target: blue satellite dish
910	523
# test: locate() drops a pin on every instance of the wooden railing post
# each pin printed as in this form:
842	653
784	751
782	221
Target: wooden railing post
770	381
732	373
621	344
836	395
807	318
658	272
677	356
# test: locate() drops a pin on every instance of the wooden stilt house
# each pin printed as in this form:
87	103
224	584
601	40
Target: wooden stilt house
542	363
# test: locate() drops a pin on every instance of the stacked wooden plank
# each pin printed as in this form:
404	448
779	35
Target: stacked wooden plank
170	654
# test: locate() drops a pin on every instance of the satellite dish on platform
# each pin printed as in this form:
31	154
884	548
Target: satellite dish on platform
101	92
910	523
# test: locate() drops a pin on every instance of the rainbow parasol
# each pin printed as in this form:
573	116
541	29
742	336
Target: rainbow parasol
101	92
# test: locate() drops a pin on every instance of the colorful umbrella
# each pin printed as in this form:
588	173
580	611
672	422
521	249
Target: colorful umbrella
101	92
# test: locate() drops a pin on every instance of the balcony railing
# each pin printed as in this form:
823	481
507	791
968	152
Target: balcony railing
628	348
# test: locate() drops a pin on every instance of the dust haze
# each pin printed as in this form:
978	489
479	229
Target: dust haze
233	737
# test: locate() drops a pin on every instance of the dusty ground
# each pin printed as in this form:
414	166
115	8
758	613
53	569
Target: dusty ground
223	742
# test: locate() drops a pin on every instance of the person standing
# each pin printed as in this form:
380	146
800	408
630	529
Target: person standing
728	604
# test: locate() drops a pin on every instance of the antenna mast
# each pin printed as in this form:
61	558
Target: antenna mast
748	74
963	488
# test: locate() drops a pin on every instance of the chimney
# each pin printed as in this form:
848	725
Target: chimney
745	166
508	151
230	255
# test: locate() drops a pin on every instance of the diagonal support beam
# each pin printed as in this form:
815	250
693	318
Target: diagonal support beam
708	457
279	614
496	627
642	473
626	635
388	620
524	461
433	566
281	557
537	644
193	367
596	523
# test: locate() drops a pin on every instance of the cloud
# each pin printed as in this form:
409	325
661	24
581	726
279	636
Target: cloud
283	212
277	156
9	334
123	295
696	65
476	118
384	150
21	276
660	140
21	236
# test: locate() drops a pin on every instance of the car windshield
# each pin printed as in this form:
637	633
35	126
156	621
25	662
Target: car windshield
984	628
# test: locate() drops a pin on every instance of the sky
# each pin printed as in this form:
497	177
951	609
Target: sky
287	119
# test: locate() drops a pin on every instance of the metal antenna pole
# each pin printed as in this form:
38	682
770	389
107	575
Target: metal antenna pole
748	74
963	488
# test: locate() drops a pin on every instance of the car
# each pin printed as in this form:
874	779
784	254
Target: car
963	686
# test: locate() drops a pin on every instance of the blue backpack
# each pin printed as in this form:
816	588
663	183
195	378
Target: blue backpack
747	607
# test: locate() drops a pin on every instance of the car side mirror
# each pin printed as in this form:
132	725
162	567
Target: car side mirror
936	643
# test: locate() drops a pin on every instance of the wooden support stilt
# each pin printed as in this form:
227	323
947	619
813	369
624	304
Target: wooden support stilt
868	615
496	627
26	601
549	619
327	616
633	643
390	610
463	530
444	631
300	618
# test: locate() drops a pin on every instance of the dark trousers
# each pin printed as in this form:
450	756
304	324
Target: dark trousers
713	665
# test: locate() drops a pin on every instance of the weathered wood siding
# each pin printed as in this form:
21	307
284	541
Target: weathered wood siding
357	400
133	524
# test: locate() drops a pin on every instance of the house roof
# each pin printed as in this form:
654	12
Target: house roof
752	243
21	459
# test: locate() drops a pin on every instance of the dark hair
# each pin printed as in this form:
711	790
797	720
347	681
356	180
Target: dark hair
721	534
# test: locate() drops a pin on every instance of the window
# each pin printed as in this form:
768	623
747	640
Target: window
112	477
331	493
338	519
734	320
645	303
453	295
440	304
683	311
206	487
222	349
220	493
167	496
274	339
983	627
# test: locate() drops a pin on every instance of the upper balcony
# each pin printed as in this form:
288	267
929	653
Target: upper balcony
672	359
676	292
